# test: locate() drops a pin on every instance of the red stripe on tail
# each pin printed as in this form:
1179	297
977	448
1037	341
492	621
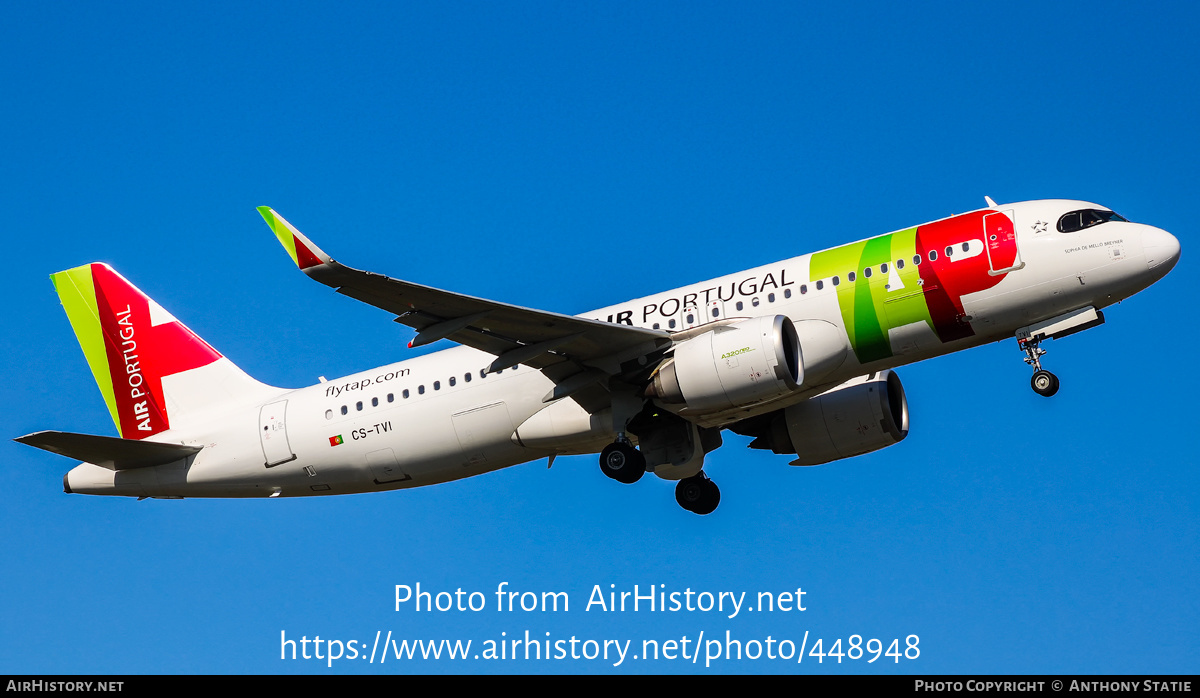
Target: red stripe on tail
141	355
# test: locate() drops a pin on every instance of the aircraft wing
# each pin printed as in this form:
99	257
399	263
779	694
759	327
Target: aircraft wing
515	335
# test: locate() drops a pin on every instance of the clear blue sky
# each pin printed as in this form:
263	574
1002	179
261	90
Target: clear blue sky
567	156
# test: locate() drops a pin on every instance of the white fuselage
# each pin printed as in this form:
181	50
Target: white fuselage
438	417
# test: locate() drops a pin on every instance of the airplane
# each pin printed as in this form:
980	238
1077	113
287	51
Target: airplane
798	354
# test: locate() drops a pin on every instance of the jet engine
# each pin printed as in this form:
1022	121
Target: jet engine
748	362
733	365
856	417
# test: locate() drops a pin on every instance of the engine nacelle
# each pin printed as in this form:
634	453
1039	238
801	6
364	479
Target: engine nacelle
857	417
733	365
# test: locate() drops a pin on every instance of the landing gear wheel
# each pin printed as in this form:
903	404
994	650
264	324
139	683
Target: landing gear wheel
698	494
1044	383
622	462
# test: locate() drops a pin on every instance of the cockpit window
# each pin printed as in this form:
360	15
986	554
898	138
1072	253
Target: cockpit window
1078	220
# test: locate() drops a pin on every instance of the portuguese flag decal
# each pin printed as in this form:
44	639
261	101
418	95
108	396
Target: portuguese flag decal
335	440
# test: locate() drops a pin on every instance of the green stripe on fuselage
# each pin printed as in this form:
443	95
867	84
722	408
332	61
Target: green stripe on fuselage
870	306
905	304
77	292
837	262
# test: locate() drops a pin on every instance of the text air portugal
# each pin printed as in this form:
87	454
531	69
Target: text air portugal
141	353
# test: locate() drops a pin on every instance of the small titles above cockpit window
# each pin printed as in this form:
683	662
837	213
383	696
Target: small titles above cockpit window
1078	220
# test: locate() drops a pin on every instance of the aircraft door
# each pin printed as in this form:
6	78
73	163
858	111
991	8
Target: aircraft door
272	427
1000	240
716	311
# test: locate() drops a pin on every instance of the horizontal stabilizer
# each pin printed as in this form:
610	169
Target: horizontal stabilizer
107	451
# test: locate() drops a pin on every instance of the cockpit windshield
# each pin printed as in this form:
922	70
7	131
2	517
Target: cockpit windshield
1086	218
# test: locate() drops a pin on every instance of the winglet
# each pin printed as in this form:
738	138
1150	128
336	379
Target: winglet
302	251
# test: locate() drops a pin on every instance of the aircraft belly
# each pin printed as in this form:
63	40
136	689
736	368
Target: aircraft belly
1002	313
484	431
914	340
460	434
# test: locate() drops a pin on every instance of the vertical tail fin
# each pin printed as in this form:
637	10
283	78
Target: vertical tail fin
153	372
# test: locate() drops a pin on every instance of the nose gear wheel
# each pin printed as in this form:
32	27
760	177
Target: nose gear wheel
1044	383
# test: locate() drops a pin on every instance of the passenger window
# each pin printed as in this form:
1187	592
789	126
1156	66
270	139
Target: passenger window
420	390
655	326
358	405
787	293
803	289
883	268
715	312
754	302
404	394
820	284
849	277
836	281
867	272
933	255
452	381
374	402
949	250
345	410
691	318
770	297
328	414
467	377
391	397
740	305
966	246
916	259
671	323
899	264
437	385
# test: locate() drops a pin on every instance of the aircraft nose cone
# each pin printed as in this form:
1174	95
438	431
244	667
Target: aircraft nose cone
1162	250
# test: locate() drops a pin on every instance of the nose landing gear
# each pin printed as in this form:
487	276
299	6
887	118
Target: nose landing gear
1044	383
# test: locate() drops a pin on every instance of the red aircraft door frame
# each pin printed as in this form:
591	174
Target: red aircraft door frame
1000	241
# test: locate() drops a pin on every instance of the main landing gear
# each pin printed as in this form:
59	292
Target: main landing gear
623	462
698	494
1044	383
